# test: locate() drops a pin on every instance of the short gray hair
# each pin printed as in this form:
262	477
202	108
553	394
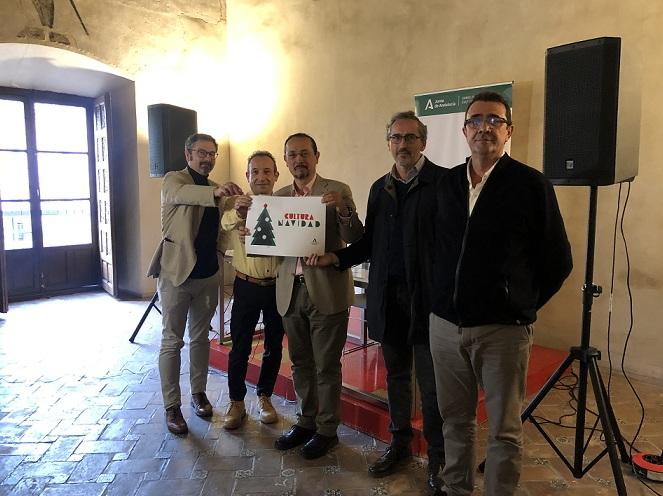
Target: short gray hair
410	115
188	144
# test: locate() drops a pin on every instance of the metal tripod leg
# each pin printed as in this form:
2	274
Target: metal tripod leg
153	303
550	383
615	427
608	421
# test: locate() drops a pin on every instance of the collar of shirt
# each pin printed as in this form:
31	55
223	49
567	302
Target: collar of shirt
475	191
412	173
485	176
198	178
305	190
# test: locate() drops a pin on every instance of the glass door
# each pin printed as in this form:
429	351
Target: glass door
47	193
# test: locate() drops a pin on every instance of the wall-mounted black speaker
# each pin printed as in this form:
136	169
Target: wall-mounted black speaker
168	128
580	130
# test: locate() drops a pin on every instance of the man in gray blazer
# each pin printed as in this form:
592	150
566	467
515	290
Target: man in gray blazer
187	266
314	304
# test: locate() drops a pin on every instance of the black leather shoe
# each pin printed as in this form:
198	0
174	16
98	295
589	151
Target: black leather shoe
434	481
390	461
435	484
294	437
318	446
175	421
201	405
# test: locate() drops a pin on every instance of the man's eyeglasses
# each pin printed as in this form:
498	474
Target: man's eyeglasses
399	138
203	154
491	120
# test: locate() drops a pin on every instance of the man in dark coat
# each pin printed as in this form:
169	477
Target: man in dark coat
398	241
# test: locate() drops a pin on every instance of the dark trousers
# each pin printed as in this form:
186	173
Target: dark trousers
399	355
249	300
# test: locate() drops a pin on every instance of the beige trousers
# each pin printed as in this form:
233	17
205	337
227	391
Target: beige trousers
315	344
194	301
495	358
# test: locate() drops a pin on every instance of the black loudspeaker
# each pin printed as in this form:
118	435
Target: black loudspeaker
580	131
168	127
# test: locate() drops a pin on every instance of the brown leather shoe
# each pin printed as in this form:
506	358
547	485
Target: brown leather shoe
175	421
235	415
266	410
201	405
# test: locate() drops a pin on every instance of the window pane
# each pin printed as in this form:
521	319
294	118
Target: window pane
63	176
66	223
12	125
14	182
60	128
17	225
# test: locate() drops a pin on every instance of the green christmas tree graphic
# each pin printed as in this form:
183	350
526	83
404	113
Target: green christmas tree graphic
263	233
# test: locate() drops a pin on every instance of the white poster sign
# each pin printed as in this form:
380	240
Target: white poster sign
286	226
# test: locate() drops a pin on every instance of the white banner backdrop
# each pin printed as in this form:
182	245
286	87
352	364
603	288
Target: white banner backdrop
443	112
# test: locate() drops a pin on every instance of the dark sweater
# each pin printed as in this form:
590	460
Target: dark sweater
207	263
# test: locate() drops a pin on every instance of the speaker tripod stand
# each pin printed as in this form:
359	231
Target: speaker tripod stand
587	358
153	304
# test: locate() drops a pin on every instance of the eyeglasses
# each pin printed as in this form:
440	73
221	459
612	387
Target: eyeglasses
203	154
399	138
491	120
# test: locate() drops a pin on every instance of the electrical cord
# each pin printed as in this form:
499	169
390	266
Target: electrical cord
628	337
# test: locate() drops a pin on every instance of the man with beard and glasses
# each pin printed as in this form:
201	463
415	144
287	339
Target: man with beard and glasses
187	266
314	304
398	241
501	254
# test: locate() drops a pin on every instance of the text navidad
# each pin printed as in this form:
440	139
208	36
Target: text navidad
295	219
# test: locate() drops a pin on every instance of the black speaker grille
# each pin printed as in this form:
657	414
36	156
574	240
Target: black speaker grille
582	85
168	127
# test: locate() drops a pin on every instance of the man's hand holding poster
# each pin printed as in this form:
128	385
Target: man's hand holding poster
286	226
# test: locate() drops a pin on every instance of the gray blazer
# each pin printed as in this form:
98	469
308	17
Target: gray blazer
330	290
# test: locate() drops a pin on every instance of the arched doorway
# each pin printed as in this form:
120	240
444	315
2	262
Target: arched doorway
38	77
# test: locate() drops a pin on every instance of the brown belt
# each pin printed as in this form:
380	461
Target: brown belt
270	281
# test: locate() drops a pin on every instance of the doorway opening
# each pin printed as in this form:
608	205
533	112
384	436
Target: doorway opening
48	193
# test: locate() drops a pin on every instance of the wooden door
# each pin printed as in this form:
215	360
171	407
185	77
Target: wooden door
49	206
102	140
4	304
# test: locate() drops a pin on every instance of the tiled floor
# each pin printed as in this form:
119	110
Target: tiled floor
81	414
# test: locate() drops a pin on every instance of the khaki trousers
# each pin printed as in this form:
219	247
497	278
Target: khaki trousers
315	344
495	358
194	300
